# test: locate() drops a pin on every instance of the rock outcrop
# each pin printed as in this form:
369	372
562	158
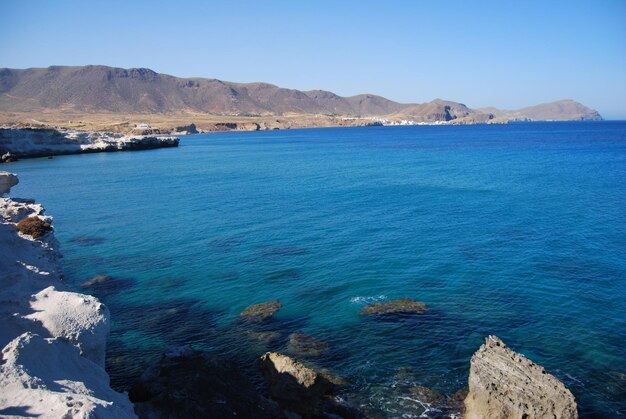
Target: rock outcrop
261	311
187	383
300	389
54	340
505	384
401	306
7	181
42	142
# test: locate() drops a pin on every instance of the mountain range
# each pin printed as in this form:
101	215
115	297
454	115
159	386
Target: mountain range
109	90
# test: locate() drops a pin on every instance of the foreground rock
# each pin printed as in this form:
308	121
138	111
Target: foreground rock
302	390
261	311
505	384
49	377
7	181
401	306
43	142
191	384
54	340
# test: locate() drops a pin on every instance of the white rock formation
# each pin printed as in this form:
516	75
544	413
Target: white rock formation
39	142
54	340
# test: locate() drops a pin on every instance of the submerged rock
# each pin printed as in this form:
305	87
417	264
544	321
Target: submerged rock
7	181
426	395
302	344
401	306
261	311
187	383
98	279
505	384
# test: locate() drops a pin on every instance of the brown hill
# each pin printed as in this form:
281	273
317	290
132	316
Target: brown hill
102	89
560	110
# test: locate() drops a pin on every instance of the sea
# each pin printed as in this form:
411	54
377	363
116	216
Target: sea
515	230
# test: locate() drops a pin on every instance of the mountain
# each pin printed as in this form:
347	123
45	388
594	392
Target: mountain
109	90
560	110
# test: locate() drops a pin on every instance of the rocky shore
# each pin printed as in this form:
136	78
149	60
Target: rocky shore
44	142
53	340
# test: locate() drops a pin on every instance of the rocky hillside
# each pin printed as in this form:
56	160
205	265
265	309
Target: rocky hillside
101	89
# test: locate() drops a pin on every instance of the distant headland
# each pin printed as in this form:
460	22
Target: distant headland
101	98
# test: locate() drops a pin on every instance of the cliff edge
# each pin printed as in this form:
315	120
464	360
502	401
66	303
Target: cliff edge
53	340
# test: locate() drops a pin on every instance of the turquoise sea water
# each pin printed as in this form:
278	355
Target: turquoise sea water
517	230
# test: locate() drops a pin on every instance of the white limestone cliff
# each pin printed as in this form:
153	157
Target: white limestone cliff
54	340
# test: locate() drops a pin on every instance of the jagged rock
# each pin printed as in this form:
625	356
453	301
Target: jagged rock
187	383
186	129
401	306
505	384
45	142
7	158
261	311
7	181
294	386
303	344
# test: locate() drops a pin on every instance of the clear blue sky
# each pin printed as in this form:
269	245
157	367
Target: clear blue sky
507	54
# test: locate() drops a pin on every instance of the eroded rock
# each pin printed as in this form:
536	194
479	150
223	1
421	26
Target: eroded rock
401	306
505	384
294	386
7	181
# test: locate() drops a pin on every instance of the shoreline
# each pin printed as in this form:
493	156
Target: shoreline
42	320
27	142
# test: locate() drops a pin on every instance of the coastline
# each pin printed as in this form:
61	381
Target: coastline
54	340
26	142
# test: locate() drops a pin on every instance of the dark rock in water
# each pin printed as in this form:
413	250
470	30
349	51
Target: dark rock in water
296	387
265	337
426	395
98	279
87	240
261	311
401	306
455	401
102	285
283	275
191	384
303	344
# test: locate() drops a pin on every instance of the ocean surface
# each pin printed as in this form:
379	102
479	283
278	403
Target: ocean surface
516	230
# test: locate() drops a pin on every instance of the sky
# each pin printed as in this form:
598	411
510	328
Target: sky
507	54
